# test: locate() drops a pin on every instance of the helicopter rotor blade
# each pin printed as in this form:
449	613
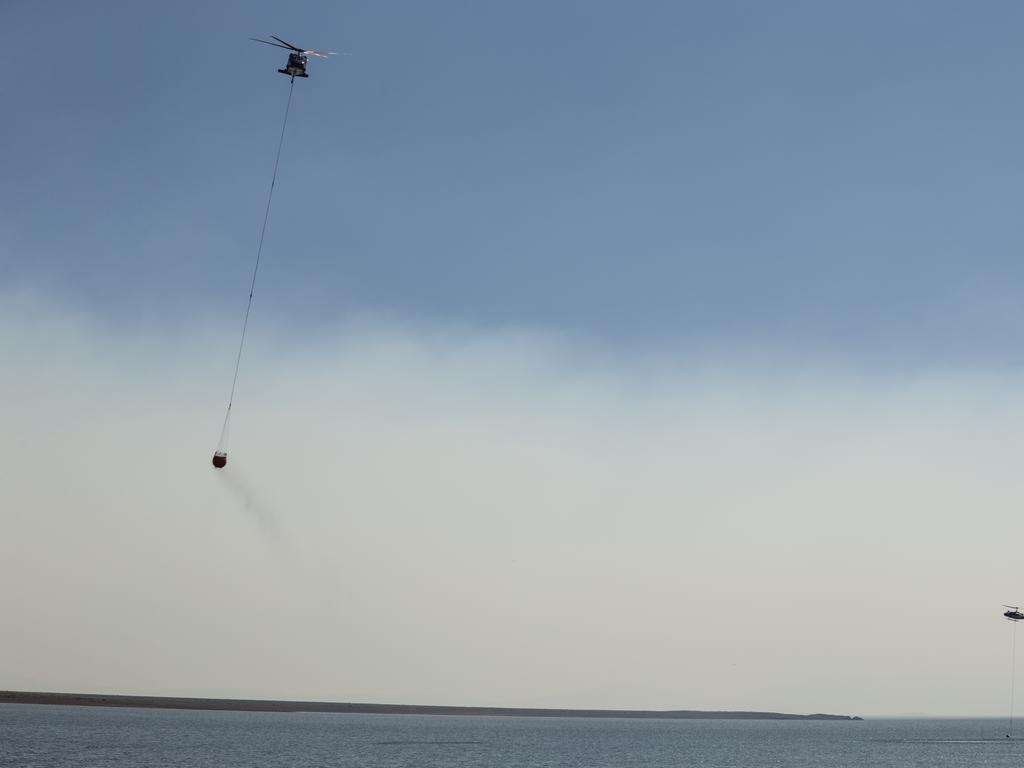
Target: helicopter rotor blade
294	48
267	42
321	54
1015	607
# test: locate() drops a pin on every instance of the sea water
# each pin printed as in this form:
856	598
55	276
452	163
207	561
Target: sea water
36	736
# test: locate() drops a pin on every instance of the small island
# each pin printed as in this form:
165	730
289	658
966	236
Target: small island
261	705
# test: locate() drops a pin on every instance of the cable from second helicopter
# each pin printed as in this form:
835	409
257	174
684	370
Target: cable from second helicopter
220	456
1013	675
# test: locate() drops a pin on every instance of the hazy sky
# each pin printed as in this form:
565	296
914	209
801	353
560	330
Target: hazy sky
657	355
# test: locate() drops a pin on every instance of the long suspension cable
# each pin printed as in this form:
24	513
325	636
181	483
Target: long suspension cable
256	268
1013	675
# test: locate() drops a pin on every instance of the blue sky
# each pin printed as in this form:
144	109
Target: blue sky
603	354
827	178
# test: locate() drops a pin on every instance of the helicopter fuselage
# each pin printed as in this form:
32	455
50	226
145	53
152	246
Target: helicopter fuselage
296	66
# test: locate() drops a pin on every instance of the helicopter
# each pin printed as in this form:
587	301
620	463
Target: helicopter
296	66
1014	613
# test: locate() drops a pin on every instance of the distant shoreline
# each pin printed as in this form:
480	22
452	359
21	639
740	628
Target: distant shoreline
262	705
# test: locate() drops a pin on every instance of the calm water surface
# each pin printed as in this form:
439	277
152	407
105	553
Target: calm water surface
36	736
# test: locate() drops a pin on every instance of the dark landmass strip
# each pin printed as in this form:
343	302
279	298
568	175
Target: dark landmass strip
258	705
